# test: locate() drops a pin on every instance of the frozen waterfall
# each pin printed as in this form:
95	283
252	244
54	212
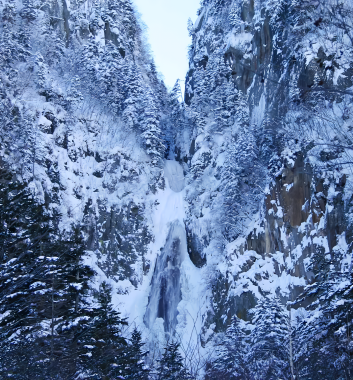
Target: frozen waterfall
165	293
174	174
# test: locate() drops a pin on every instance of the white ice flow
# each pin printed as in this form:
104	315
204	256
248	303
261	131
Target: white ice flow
177	297
171	297
165	293
173	172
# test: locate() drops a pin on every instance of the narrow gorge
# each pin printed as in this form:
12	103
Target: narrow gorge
216	217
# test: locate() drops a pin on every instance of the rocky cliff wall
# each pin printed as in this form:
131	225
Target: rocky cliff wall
266	68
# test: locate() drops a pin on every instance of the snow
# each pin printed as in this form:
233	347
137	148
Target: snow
44	121
239	41
173	173
169	218
167	224
199	19
338	74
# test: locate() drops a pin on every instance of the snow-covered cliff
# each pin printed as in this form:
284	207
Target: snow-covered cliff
269	92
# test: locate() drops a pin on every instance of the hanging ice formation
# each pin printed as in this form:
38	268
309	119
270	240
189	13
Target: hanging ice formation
165	293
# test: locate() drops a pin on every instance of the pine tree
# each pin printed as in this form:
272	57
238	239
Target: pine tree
269	341
152	134
104	350
25	233
110	77
133	94
241	175
53	44
9	48
128	20
74	95
190	27
29	11
95	17
175	96
231	361
42	70
42	287
88	61
153	73
201	90
135	368
171	366
177	118
326	337
66	302
235	17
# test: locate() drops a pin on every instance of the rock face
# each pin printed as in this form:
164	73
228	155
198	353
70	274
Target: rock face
72	130
252	70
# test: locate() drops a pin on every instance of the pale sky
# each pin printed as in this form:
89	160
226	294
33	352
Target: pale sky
168	35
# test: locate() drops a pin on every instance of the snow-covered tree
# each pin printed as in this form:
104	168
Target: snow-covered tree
269	340
135	368
231	354
152	134
240	176
131	104
171	366
103	348
324	340
42	286
234	16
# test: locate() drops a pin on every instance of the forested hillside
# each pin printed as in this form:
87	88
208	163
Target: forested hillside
149	235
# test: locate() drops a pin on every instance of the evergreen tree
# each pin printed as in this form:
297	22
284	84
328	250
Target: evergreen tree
175	96
104	350
74	95
42	70
135	368
88	62
235	17
240	175
95	17
128	20
131	104
201	91
153	73
177	118
152	134
28	11
231	358
25	234
66	302
324	341
53	44
269	341
42	287
109	74
171	366
8	46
